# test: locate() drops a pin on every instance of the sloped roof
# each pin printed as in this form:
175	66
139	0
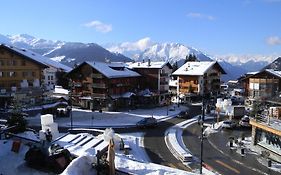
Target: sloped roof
37	58
276	73
107	69
273	72
196	68
153	65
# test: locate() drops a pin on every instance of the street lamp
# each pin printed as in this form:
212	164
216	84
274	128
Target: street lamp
201	122
71	88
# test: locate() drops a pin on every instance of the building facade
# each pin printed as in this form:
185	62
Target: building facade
19	75
266	137
23	73
107	86
198	78
262	85
155	79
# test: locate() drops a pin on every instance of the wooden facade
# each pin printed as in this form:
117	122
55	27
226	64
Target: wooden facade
156	79
92	89
16	67
20	76
263	85
196	81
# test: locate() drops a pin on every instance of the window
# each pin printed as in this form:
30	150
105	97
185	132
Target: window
33	74
1	74
24	74
52	78
1	63
8	62
23	62
12	74
14	62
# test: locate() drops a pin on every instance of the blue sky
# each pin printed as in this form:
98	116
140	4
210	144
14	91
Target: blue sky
213	26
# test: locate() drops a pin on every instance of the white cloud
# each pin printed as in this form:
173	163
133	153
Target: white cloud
99	26
273	40
200	16
139	45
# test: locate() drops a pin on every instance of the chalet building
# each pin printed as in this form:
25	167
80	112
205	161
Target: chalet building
22	74
198	78
107	86
262	86
154	81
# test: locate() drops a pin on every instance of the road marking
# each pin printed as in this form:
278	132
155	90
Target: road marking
228	166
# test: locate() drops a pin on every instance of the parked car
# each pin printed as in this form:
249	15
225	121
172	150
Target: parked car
147	122
229	124
245	121
183	114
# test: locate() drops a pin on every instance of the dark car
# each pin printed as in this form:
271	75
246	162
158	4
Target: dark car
183	114
147	122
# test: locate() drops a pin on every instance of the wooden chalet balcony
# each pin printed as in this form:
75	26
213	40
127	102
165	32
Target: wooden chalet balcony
97	95
97	76
99	85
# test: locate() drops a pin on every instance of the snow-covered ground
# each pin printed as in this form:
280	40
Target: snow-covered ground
87	118
134	162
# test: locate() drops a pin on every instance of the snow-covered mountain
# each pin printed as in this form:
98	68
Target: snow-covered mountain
175	52
71	53
68	53
172	52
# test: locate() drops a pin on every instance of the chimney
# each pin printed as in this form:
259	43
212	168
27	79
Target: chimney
149	62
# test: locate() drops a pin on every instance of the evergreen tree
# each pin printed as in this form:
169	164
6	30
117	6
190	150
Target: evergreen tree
62	80
175	66
190	57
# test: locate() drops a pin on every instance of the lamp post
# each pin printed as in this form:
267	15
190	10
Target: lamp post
201	122
71	88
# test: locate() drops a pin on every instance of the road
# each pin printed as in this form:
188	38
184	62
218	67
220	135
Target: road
155	144
219	157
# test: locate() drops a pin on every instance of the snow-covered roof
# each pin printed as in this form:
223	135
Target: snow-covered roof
274	72
38	58
145	65
173	83
194	68
113	70
60	90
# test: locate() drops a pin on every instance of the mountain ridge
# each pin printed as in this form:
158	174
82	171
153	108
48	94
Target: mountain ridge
71	53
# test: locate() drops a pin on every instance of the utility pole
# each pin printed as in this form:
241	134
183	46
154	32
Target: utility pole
71	88
202	135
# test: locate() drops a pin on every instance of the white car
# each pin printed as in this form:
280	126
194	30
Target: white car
245	121
229	124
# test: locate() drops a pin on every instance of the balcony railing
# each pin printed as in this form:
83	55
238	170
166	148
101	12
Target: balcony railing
97	95
97	76
99	85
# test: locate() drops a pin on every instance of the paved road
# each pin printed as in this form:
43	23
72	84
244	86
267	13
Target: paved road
156	148
218	156
155	144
